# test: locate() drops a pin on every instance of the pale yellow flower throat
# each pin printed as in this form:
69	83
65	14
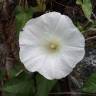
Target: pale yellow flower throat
53	46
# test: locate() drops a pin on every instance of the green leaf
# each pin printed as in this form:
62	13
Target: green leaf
44	86
21	85
86	7
90	84
15	70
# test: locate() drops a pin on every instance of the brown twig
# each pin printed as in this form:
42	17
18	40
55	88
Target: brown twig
90	38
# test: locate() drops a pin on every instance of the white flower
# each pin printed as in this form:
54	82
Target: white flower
51	45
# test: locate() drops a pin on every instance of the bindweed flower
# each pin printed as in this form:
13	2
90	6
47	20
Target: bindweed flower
51	45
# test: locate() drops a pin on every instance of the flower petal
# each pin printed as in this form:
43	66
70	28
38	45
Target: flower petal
28	51
34	64
45	24
55	68
26	37
69	33
72	55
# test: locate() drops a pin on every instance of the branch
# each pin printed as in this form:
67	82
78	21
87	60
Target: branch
90	38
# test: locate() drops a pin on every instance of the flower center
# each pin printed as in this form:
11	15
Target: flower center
53	46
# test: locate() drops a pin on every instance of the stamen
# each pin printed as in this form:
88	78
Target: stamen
53	46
